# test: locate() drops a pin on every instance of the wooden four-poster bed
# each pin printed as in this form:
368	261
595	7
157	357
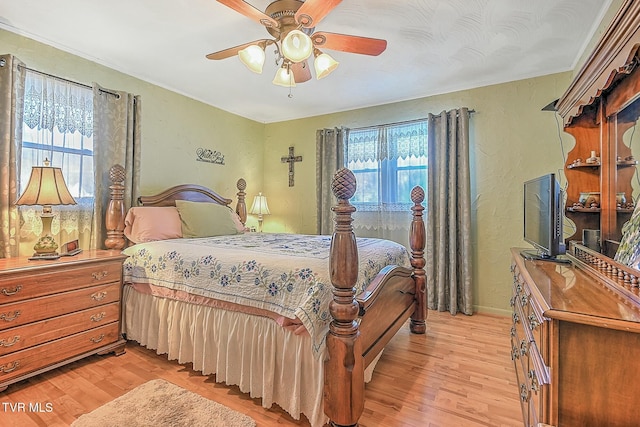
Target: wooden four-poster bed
362	313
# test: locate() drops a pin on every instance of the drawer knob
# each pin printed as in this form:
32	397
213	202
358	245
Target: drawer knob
98	317
10	316
99	275
9	292
10	367
98	296
9	343
524	347
97	339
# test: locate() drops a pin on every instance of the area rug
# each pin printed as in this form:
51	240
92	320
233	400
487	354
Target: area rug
160	403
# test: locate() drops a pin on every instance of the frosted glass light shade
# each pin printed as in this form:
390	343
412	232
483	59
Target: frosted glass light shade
253	57
324	64
284	77
297	46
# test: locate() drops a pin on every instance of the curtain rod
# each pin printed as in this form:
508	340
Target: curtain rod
405	122
117	95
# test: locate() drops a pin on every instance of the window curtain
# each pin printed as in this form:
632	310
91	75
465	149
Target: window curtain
12	77
117	139
57	112
387	220
330	147
448	251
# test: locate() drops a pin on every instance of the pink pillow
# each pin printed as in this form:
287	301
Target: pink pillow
146	224
236	220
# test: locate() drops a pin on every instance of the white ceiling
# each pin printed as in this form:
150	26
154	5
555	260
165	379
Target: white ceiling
434	47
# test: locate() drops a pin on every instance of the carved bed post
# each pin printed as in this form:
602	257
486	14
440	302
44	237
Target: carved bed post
344	368
417	241
114	215
241	206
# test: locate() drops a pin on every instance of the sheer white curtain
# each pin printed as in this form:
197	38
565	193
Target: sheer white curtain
57	125
388	161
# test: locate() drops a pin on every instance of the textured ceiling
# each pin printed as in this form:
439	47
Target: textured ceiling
434	47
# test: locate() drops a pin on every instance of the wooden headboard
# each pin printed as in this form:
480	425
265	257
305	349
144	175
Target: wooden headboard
115	213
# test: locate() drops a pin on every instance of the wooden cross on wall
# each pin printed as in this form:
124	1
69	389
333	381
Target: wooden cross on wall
291	160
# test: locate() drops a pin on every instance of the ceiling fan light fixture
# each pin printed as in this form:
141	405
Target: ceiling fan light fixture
284	77
324	64
253	57
297	46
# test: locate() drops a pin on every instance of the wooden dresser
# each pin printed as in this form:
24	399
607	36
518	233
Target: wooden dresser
57	312
575	343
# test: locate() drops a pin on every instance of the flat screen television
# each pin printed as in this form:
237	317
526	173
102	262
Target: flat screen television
543	216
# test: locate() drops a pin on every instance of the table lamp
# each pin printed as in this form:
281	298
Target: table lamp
46	188
260	208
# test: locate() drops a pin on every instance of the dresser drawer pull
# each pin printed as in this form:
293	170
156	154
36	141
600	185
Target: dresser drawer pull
98	317
513	331
10	317
524	300
8	343
512	301
515	317
10	367
524	393
9	292
514	353
534	380
524	347
97	339
98	296
533	322
99	275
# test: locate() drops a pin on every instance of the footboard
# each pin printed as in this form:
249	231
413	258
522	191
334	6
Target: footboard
384	307
393	296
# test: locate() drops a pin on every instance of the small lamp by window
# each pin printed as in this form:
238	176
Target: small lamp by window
46	188
260	208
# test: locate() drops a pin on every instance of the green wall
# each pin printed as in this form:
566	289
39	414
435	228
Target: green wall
512	140
173	126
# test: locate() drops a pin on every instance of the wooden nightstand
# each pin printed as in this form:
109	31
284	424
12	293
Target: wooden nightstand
56	312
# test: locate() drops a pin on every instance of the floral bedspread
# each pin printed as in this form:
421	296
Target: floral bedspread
284	273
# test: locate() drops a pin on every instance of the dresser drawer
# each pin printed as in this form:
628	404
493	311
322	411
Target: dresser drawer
21	285
32	334
35	358
20	313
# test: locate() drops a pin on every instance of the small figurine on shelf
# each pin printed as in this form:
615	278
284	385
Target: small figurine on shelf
593	159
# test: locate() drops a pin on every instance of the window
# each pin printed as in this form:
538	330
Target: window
388	161
58	125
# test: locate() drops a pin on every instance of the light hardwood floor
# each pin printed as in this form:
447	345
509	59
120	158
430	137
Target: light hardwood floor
459	374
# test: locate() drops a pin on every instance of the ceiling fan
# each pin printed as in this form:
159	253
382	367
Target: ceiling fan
292	23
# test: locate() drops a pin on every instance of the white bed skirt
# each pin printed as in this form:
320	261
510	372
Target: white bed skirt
252	352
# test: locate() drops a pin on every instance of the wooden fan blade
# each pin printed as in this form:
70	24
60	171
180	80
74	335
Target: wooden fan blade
312	11
347	43
227	53
301	71
250	12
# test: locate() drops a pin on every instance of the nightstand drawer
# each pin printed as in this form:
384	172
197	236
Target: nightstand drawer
20	313
58	278
35	358
32	334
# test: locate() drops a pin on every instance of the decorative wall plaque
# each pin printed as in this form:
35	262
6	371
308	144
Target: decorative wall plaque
209	156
